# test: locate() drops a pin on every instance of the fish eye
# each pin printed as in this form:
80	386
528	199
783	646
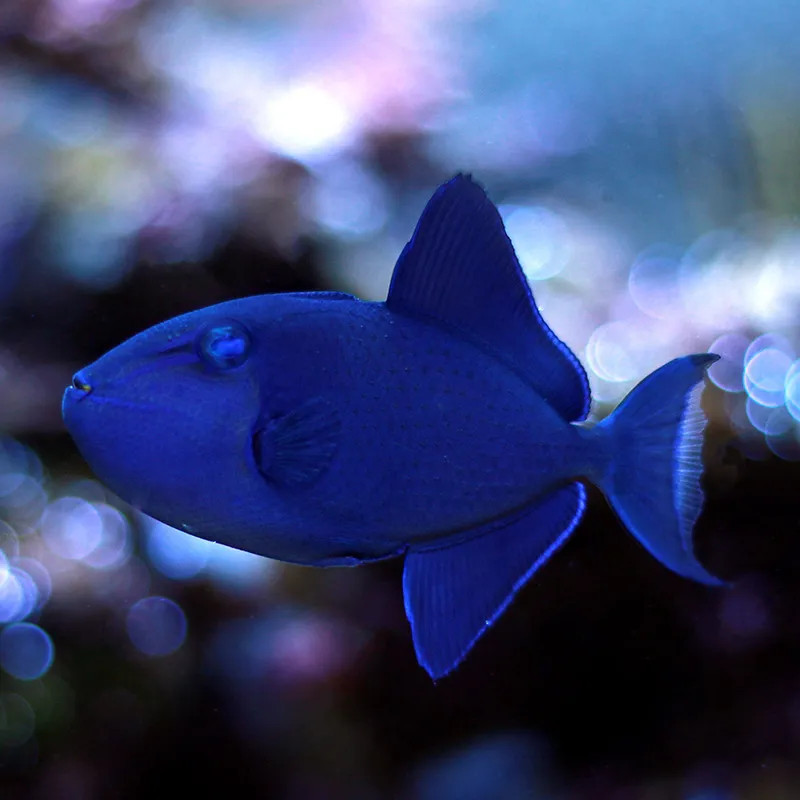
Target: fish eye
224	346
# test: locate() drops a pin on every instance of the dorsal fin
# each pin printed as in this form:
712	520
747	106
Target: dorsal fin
460	267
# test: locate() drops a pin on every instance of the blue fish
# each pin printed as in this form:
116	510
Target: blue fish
443	425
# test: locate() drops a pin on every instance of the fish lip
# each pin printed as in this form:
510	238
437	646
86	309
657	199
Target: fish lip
80	388
74	395
78	391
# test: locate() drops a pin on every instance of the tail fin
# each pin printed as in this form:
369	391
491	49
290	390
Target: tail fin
653	482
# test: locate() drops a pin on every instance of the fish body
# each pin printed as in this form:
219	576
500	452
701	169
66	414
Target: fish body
430	434
443	424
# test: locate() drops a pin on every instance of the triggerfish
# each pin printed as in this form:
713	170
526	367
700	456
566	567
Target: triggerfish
444	425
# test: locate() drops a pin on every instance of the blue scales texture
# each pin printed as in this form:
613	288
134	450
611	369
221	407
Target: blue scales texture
323	430
436	435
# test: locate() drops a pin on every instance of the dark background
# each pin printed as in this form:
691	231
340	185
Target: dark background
156	157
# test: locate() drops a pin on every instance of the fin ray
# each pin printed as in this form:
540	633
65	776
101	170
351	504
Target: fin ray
654	480
460	268
295	449
453	594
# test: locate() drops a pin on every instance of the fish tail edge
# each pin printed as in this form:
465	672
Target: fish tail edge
653	477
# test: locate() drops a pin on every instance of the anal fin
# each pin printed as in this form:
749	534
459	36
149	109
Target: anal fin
454	593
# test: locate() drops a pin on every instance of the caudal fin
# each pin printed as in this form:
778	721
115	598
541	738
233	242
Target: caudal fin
653	482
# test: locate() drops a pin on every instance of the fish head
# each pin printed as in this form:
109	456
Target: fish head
166	417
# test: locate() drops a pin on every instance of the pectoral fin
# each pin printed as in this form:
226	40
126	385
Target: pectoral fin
453	594
296	449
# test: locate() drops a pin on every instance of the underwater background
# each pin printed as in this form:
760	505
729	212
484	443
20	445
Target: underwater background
157	156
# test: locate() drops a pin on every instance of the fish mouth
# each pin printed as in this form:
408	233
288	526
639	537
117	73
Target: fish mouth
79	389
81	386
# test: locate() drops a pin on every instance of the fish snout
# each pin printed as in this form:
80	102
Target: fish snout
78	390
80	387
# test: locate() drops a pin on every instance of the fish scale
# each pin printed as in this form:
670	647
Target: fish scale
492	465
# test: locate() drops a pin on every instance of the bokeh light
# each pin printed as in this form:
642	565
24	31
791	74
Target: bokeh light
19	594
12	595
504	766
293	646
304	121
653	282
40	576
9	542
156	626
540	238
21	496
615	352
765	375
744	617
727	373
26	651
238	569
115	542
348	201
792	390
181	556
174	553
71	527
17	719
